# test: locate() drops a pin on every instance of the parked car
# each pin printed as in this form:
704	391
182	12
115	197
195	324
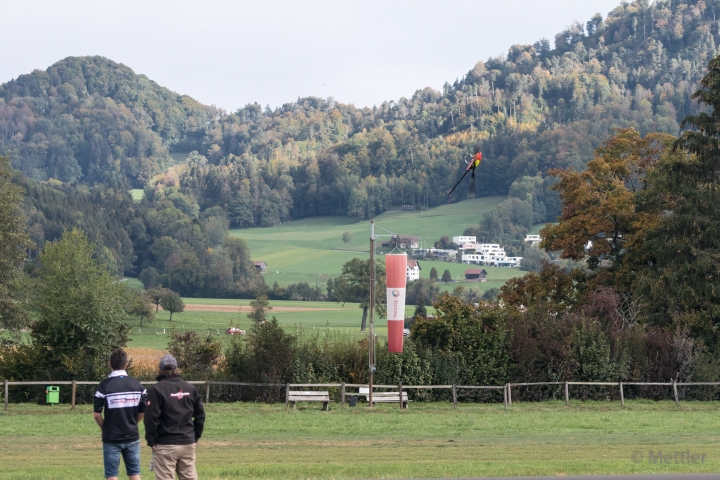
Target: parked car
406	332
234	331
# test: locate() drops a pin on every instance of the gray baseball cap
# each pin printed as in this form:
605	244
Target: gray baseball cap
168	362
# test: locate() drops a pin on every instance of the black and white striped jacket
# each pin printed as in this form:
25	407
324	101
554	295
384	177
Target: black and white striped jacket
123	398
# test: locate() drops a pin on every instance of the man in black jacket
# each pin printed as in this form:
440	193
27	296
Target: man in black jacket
123	399
174	420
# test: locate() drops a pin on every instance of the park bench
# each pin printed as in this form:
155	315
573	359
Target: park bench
385	397
324	397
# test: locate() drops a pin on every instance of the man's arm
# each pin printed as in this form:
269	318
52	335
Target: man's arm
98	419
98	405
152	417
141	406
198	416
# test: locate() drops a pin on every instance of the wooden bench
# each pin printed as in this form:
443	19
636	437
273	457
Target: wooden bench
324	397
385	397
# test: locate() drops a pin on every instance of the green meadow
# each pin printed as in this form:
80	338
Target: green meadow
311	250
429	440
315	317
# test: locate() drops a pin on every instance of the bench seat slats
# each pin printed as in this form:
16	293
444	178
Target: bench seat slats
301	398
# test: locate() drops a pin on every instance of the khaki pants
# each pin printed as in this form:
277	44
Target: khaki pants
174	458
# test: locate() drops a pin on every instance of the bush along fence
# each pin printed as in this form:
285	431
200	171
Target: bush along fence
274	392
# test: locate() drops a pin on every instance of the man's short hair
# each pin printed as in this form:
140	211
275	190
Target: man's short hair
118	359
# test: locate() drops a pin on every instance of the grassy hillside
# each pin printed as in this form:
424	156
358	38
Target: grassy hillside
311	250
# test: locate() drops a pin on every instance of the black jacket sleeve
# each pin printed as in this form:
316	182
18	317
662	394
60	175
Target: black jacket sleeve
198	416
152	416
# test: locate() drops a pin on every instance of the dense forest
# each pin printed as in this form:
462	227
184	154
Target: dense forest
87	129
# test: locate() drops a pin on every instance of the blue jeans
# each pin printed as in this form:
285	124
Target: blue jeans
131	455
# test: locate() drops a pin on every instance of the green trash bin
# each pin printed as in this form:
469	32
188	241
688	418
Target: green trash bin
52	395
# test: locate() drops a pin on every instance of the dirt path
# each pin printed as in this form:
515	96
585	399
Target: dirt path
246	308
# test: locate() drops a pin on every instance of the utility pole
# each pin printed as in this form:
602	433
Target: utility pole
371	339
371	342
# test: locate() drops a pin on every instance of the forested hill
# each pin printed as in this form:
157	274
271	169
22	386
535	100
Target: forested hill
93	120
531	110
536	108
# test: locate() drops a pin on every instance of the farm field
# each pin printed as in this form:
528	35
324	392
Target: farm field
428	440
311	250
201	316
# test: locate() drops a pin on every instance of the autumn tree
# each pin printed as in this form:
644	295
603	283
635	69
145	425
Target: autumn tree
600	222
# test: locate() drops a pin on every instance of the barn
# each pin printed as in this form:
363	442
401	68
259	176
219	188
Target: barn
475	275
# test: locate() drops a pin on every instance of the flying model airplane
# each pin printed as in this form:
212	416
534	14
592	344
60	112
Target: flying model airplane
472	165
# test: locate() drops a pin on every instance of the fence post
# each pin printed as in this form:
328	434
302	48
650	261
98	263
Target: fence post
622	395
509	396
505	396
74	393
567	394
400	394
675	392
207	391
7	395
287	395
342	394
454	397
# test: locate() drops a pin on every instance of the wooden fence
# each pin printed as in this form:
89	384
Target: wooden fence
507	388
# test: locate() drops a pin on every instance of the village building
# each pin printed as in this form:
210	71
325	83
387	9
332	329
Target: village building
533	240
491	254
475	275
465	242
402	241
441	254
260	266
413	270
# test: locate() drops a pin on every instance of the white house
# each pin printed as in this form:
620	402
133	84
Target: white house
413	270
490	249
464	240
533	240
493	259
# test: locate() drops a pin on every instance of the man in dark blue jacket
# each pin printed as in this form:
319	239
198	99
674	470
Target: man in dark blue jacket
174	421
123	400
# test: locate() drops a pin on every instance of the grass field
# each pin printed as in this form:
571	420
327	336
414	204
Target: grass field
311	250
314	316
137	194
428	440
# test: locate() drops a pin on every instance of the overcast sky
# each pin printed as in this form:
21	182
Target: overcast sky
233	52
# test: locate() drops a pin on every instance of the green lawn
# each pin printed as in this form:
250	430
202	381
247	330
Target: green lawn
428	440
137	194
